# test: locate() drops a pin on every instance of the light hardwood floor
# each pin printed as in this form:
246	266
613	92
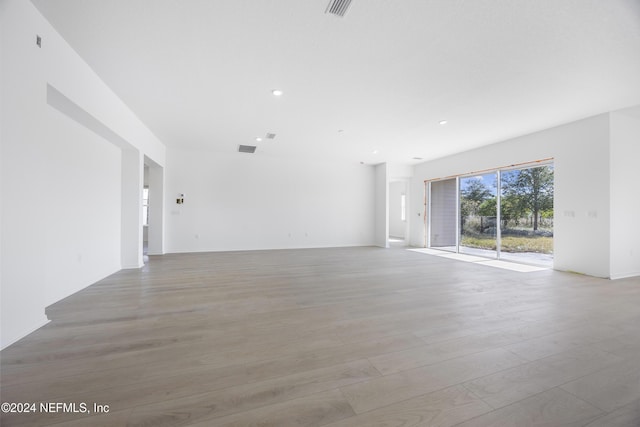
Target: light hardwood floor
334	337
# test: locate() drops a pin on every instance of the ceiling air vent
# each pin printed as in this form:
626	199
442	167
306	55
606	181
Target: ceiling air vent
247	149
270	135
338	7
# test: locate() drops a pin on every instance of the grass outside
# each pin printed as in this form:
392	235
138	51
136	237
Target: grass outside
538	244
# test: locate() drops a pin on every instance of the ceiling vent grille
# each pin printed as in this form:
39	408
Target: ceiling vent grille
271	136
338	7
247	149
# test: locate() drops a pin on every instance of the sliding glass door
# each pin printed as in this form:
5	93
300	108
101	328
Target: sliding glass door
505	214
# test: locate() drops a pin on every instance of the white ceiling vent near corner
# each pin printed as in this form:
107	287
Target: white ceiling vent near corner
338	7
247	149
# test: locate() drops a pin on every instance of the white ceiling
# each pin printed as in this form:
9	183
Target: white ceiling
199	73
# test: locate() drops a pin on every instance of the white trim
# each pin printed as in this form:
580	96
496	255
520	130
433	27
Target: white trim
625	275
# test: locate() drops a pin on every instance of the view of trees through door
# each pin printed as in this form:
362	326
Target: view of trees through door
478	215
506	214
526	212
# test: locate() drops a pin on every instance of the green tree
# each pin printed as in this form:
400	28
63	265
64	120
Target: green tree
476	190
511	209
472	196
488	207
529	190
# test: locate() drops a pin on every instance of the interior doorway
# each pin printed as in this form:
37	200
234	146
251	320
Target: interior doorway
398	205
145	214
152	209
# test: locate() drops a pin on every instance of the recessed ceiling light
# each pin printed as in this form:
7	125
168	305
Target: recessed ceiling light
277	92
442	122
258	139
375	151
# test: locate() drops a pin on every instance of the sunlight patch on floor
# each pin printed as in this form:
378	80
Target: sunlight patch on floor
513	266
505	265
463	257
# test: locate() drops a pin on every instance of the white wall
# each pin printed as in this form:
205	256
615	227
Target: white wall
61	183
625	195
131	233
238	201
80	207
2	12
381	210
396	171
23	178
396	224
581	153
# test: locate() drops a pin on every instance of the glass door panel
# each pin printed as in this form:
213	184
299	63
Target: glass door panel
478	215
443	214
526	212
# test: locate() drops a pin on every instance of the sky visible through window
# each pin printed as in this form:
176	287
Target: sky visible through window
487	180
